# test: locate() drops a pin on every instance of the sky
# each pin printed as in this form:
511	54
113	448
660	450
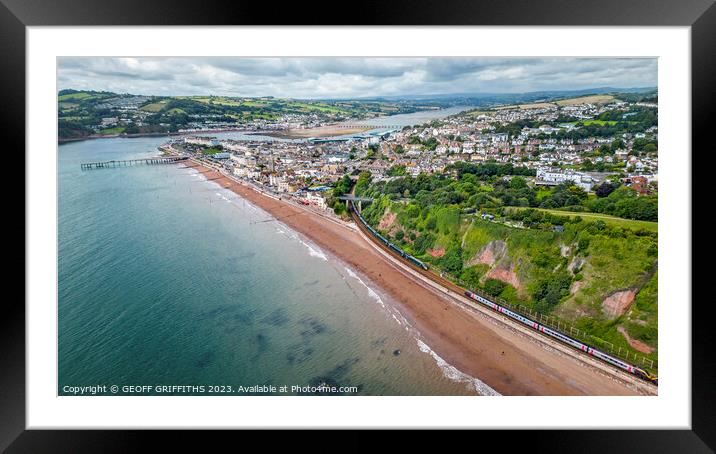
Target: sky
332	77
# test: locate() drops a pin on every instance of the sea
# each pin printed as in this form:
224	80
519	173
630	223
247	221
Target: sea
172	285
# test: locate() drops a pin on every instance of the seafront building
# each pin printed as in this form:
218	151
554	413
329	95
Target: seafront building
293	167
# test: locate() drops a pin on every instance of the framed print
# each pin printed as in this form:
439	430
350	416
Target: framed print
430	218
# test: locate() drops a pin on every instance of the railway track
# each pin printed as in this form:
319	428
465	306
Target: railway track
458	293
427	273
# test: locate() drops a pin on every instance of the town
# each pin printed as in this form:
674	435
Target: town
83	114
577	141
409	225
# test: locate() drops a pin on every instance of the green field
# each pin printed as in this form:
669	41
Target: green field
609	220
74	96
598	122
591	99
305	107
165	114
111	131
595	265
320	107
153	107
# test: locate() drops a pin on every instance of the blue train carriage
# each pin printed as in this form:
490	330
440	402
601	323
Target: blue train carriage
418	262
402	253
396	249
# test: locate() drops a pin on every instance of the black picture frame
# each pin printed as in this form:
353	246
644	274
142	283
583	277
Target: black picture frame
16	15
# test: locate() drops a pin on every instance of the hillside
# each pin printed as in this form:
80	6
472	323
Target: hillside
595	276
86	113
83	113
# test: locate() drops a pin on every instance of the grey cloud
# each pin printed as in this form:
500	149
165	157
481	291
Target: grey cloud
349	77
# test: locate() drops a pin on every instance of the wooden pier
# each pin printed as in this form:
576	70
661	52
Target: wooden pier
132	162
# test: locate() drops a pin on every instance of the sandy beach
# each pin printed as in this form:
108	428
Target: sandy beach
322	131
509	362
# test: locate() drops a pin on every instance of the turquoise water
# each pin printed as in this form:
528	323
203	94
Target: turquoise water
165	279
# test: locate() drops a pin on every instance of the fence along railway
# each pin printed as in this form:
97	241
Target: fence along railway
423	269
132	162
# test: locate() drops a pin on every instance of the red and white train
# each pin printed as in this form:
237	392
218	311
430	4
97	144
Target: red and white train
641	373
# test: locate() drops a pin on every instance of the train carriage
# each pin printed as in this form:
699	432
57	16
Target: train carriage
520	318
565	339
392	246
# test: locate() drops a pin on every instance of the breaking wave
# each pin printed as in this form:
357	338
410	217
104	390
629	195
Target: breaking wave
314	252
371	292
453	374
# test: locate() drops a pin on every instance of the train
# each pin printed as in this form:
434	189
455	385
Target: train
634	370
390	245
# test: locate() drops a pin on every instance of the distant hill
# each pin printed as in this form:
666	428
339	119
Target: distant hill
85	113
486	99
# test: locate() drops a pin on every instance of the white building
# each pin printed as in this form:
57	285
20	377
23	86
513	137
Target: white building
555	176
316	199
336	158
246	172
275	180
283	186
203	141
235	147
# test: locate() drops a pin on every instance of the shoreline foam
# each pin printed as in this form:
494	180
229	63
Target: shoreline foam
448	370
506	362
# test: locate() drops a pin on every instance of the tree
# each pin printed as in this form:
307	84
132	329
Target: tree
339	208
342	186
604	189
452	260
431	144
471	275
364	179
518	183
397	171
423	243
549	291
494	286
583	244
587	165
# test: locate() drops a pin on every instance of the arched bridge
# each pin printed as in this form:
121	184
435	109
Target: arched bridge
354	198
376	126
351	198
